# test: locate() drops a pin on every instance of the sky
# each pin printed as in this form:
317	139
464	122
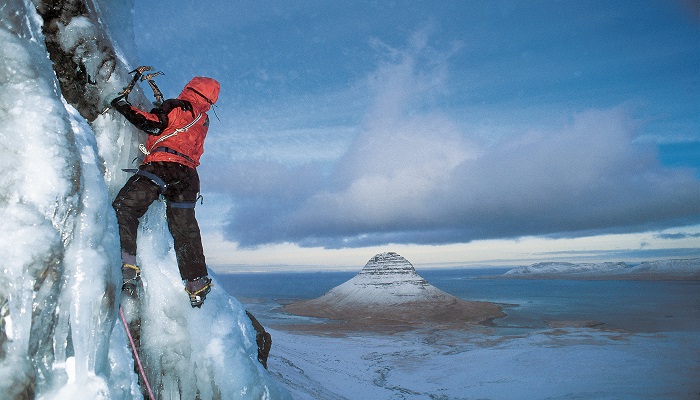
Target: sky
453	132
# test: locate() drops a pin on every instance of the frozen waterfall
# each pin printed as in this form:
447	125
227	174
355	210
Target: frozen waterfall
59	274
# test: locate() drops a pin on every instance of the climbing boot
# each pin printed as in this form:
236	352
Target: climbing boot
131	275
198	289
132	287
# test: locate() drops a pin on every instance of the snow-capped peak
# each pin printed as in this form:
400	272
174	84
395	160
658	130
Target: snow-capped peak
388	289
387	278
389	268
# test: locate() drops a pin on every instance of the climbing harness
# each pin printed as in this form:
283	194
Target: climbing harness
164	149
136	353
162	186
151	176
183	204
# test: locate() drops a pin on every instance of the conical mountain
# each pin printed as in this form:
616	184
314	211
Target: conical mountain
389	290
386	279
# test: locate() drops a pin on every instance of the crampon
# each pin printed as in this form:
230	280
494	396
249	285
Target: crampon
198	289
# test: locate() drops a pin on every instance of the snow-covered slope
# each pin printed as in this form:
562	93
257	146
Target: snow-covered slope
389	289
59	249
388	279
567	268
681	268
661	269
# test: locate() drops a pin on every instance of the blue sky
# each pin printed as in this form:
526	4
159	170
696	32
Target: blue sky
480	131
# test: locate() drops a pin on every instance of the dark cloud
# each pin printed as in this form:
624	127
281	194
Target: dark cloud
418	180
677	236
415	175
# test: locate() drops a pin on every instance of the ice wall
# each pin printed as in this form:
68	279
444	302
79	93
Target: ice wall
60	167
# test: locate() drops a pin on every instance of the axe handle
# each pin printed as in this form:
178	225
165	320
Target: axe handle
156	92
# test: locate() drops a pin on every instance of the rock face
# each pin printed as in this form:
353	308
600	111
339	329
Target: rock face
389	291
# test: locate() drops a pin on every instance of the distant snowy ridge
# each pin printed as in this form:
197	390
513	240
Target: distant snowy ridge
388	289
567	268
661	269
677	266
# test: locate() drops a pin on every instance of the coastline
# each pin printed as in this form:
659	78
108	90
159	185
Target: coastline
598	276
453	315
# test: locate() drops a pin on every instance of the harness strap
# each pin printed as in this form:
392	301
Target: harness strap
185	205
151	176
171	151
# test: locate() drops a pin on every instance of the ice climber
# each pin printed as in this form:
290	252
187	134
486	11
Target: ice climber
176	131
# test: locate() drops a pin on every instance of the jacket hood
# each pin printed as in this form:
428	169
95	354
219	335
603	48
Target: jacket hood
201	90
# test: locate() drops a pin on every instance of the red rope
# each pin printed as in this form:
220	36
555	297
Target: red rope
136	353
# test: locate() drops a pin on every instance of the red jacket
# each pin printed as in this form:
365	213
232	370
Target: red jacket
178	128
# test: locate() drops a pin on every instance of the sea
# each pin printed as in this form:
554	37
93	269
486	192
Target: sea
561	339
643	306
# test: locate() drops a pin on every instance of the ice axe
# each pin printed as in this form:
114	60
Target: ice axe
137	75
156	92
128	88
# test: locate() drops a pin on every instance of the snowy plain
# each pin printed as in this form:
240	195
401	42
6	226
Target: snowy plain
574	363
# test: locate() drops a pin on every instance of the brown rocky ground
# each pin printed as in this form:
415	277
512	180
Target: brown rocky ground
388	295
448	314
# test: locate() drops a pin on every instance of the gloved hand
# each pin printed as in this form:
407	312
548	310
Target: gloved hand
119	101
171	104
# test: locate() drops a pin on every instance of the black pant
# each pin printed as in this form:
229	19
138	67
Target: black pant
139	192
